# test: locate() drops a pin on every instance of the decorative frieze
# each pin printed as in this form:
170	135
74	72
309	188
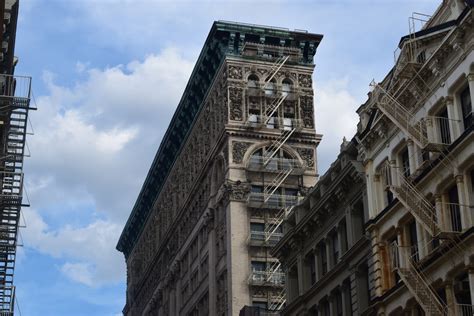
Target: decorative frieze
238	191
238	150
235	99
305	80
307	110
307	154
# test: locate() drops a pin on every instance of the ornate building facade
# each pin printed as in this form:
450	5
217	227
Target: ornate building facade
239	152
417	145
415	151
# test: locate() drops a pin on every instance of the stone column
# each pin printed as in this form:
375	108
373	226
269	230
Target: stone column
349	233
301	274
465	212
470	79
471	283
212	271
440	214
455	117
412	156
421	241
316	264
332	304
450	299
340	235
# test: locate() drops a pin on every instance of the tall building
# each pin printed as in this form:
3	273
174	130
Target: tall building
14	106
417	144
239	152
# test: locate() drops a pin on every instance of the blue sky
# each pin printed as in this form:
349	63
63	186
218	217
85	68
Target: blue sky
107	76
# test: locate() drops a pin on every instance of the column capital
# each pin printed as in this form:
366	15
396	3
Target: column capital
448	100
470	77
459	178
438	197
410	142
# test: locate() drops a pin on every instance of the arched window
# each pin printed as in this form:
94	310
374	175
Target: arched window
286	86
252	81
270	87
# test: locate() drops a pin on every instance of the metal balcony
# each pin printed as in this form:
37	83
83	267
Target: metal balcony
267	278
271	201
275	165
260	239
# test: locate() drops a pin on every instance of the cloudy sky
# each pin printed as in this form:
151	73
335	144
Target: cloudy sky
107	76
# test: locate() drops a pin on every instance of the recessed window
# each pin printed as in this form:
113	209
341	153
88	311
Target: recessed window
466	107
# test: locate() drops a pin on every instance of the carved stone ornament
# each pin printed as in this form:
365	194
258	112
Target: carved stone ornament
238	151
305	81
307	154
238	191
307	111
235	97
235	72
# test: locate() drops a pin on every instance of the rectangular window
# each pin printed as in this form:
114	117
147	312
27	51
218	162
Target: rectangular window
466	107
257	231
413	240
444	132
453	209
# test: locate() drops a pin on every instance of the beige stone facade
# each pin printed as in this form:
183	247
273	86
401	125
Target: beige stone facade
417	144
249	154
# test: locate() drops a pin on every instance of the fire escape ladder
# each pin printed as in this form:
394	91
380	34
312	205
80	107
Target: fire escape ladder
415	202
15	104
275	68
399	115
415	281
274	226
278	302
273	149
276	183
274	107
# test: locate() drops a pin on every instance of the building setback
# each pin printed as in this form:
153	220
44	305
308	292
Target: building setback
415	142
240	151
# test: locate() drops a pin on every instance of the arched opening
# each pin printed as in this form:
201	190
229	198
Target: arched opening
252	81
270	87
286	86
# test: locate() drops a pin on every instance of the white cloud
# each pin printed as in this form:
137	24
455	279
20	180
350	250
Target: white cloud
92	147
335	118
88	250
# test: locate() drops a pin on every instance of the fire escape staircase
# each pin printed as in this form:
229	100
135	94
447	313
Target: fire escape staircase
415	281
14	107
407	192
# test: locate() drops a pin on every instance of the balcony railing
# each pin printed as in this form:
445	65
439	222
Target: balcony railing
464	309
273	201
259	238
15	86
457	216
267	278
257	163
282	123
